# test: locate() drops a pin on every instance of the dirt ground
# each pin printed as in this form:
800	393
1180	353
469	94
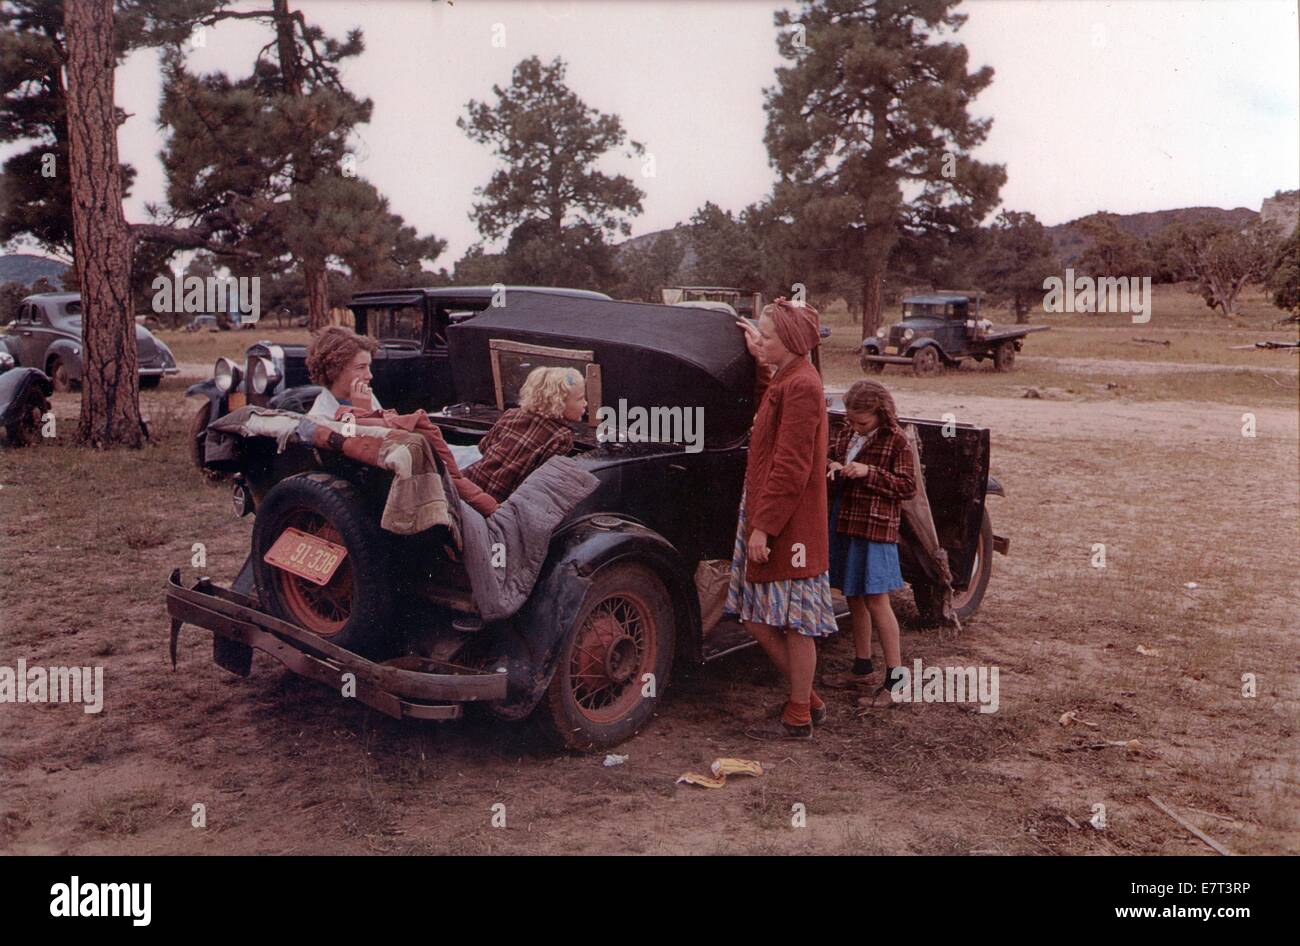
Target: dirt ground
1169	485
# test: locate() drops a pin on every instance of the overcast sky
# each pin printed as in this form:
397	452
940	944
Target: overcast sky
1125	106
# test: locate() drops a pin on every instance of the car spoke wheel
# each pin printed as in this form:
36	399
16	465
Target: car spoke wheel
872	367
614	662
1004	359
926	362
26	431
354	608
321	609
614	649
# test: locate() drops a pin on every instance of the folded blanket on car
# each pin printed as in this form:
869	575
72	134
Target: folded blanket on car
417	497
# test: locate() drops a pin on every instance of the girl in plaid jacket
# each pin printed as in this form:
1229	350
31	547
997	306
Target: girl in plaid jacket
869	466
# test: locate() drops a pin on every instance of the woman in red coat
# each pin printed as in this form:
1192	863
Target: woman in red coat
780	586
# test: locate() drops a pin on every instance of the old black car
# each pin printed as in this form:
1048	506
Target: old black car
410	369
623	591
941	329
47	336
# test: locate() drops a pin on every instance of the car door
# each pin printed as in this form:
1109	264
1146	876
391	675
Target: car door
32	341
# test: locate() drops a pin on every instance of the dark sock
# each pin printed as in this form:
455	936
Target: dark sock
862	666
892	676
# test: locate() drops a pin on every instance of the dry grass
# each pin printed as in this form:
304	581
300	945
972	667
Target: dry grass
284	765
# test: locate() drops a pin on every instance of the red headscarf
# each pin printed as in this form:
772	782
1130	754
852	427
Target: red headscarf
797	324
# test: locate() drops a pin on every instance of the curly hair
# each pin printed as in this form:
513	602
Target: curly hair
545	390
332	349
872	396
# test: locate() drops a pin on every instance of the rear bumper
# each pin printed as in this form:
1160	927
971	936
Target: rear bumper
239	627
160	371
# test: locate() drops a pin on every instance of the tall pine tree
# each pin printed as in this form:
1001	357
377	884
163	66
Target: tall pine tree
869	129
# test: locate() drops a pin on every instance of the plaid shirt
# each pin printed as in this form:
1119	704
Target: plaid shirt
870	506
518	443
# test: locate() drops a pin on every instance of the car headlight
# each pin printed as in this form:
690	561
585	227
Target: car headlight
907	334
880	332
226	374
264	375
6	360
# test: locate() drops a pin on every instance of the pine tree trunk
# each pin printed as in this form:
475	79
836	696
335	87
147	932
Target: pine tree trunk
110	400
317	288
872	303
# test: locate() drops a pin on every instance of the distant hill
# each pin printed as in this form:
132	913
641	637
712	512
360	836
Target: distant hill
26	268
1070	243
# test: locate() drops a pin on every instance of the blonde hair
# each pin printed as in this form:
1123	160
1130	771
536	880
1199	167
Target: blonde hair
545	390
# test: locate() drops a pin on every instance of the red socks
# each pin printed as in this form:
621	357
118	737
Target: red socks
797	714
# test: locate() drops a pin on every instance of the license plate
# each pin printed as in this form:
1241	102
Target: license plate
235	400
305	555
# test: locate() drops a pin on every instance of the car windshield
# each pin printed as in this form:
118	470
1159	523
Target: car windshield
932	310
396	325
512	362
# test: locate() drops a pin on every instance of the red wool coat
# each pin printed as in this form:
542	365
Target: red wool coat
785	476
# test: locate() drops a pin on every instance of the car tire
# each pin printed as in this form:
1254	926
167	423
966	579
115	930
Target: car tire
150	381
871	367
926	362
967	601
353	610
59	375
625	629
1004	356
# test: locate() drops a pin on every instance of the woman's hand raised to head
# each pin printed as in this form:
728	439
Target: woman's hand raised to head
753	340
359	395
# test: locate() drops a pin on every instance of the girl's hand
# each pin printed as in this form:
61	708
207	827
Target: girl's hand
360	396
834	468
753	340
757	546
855	470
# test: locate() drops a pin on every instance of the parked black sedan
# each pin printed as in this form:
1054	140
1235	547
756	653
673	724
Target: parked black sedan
47	335
623	586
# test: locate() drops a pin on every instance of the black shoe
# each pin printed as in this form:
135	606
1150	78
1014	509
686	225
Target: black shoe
779	729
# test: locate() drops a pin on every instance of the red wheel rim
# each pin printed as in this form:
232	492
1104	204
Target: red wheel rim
615	647
321	609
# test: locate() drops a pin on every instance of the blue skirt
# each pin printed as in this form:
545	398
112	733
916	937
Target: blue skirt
860	566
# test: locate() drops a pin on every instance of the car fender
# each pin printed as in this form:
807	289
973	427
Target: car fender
920	343
16	385
871	346
69	352
530	653
994	488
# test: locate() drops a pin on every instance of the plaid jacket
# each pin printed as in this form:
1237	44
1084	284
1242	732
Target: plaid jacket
870	506
518	443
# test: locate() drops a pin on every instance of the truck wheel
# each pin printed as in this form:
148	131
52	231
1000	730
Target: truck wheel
1004	358
625	630
353	609
926	362
966	601
871	367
